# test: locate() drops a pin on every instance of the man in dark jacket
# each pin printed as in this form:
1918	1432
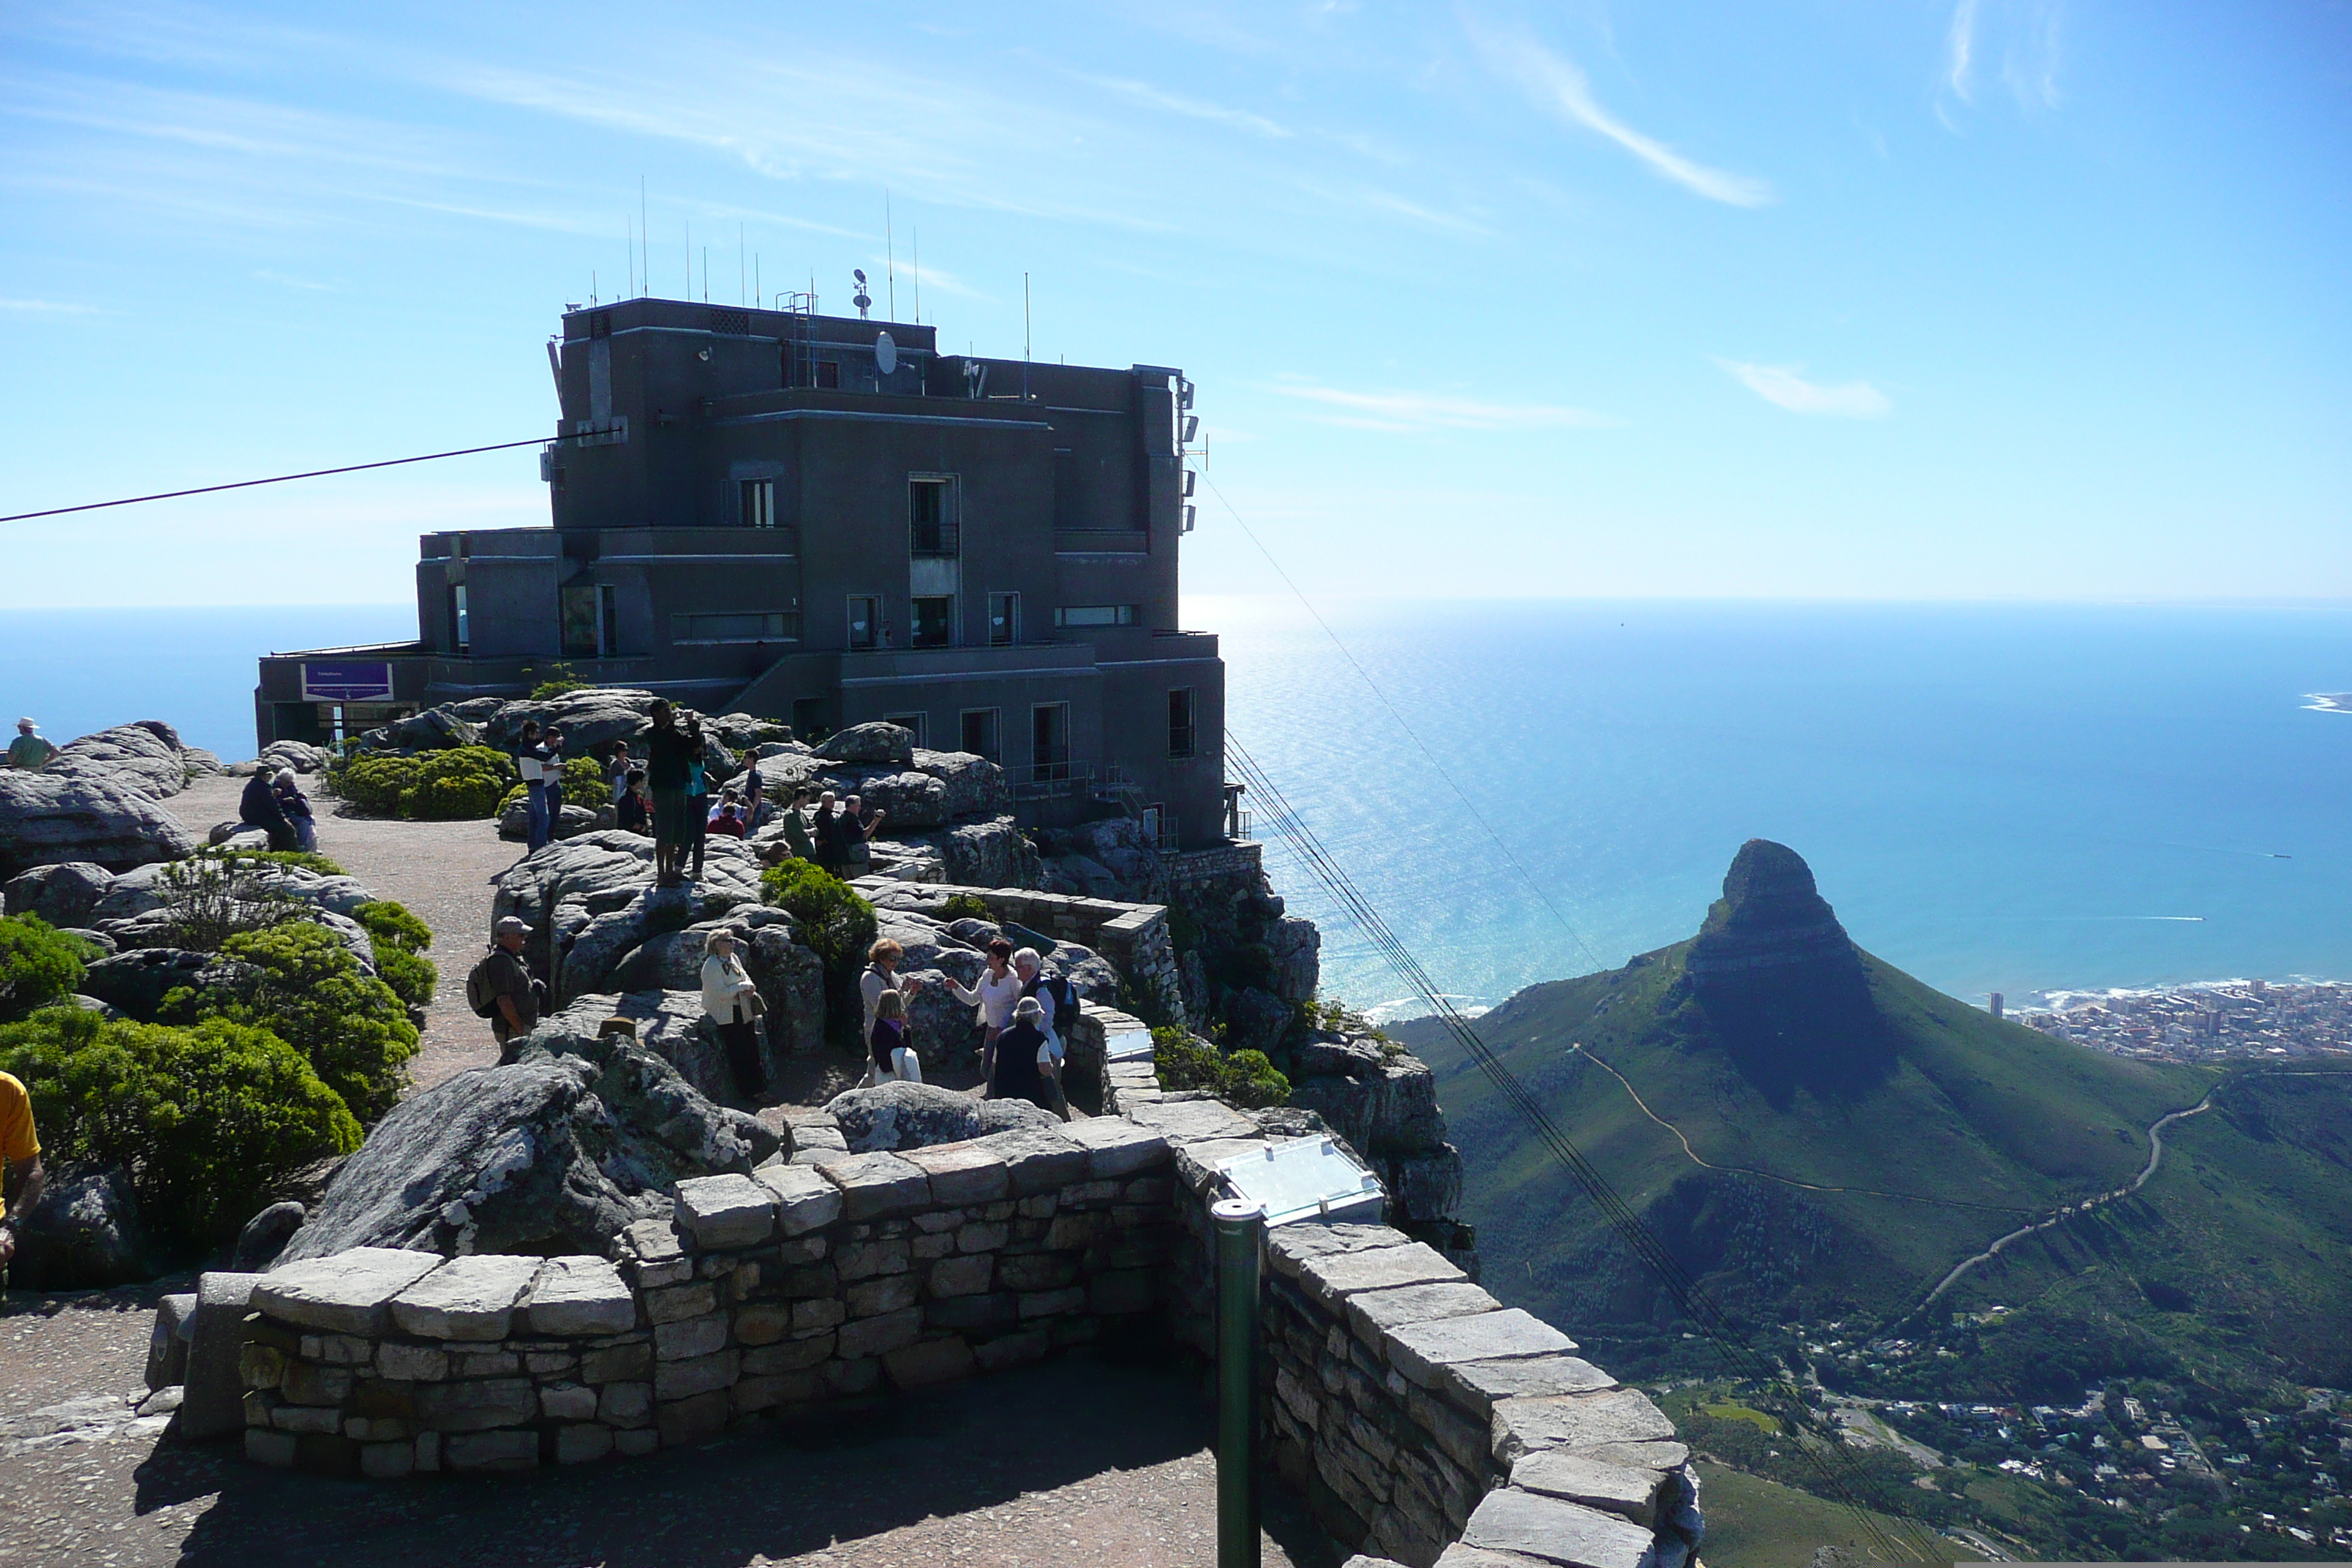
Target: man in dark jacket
259	807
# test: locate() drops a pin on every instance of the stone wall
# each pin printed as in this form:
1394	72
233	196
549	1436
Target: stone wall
1133	937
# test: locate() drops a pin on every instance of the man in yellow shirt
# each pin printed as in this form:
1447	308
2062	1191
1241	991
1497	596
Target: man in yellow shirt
20	1152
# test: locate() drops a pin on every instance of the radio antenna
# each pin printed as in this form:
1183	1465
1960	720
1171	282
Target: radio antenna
889	255
647	236
915	237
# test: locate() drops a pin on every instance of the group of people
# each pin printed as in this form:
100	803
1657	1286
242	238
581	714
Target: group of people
1018	1006
666	795
274	802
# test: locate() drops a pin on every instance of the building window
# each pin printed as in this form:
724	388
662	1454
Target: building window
931	517
1049	741
828	375
865	621
759	503
1003	619
934	621
1180	722
979	733
1095	616
812	718
461	631
591	621
751	625
921	723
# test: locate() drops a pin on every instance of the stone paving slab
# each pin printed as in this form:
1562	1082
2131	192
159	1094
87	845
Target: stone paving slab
876	1187
1117	1147
1333	1277
805	1201
1288	1246
1477	1384
1613	1489
1420	1350
727	1210
962	1172
1522	1427
1552	1531
466	1299
1371	1313
581	1295
1038	1158
1191	1120
347	1293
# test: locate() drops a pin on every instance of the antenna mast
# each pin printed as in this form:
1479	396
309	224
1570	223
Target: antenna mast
1024	337
889	255
647	237
916	234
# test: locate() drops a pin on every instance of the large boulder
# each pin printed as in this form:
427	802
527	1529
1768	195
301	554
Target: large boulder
565	891
146	757
976	786
299	755
108	818
435	729
671	1023
84	1234
64	894
987	853
1111	859
909	799
917	1115
553	1152
514	823
873	742
135	983
1297	948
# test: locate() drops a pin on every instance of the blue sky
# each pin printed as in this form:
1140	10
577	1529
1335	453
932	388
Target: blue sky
1905	299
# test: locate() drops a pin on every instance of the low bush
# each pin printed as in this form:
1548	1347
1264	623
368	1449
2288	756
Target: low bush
831	921
412	978
314	995
462	782
205	1120
39	964
964	907
399	936
559	681
301	860
210	898
1245	1078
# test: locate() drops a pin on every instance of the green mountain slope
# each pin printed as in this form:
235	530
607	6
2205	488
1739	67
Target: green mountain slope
1853	1135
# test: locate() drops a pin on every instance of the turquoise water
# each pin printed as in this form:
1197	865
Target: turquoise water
1994	798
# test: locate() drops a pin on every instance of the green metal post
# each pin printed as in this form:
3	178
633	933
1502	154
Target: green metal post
1241	1229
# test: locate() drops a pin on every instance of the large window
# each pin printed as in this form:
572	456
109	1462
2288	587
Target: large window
1095	616
931	517
1003	619
828	375
759	498
979	733
865	621
461	630
934	621
751	625
1049	739
1180	725
591	621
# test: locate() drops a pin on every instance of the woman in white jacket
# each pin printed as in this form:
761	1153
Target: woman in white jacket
733	1002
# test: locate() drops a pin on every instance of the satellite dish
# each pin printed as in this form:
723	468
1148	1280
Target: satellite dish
886	353
858	273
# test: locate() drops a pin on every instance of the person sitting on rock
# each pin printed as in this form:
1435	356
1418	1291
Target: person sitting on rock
728	820
297	808
1014	1074
892	1057
28	751
20	1157
633	813
259	807
733	1003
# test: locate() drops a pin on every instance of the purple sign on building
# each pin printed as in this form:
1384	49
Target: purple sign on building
368	681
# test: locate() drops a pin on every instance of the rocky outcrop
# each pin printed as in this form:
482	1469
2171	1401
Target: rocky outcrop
105	818
83	1234
1770	921
554	1151
146	757
1383	1101
299	755
65	894
894	1116
875	742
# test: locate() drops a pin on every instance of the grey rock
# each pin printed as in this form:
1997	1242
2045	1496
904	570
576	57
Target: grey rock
1476	1385
84	1233
136	981
1421	1350
214	1402
100	817
1555	1531
1613	1489
167	1341
299	755
514	821
63	894
1255	1020
804	1200
1039	1159
265	1237
557	1151
435	729
1426	1187
579	1295
201	764
915	1115
873	742
728	1210
1184	1122
1117	1147
347	1293
466	1299
1373	1313
961	1173
877	1187
974	786
1289	1248
146	756
1331	1279
1524	1426
988	852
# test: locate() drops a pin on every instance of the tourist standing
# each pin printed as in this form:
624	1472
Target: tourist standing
697	796
669	757
502	988
826	830
634	813
28	751
733	1003
751	792
1058	1005
1016	1072
531	763
20	1156
892	1057
257	807
618	769
796	833
551	774
994	993
882	975
296	805
856	829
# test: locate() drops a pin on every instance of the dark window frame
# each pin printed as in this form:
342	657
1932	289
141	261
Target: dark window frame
1183	722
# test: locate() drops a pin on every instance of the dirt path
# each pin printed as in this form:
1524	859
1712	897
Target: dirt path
441	870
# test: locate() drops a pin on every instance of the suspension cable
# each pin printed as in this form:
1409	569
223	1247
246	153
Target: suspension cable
282	479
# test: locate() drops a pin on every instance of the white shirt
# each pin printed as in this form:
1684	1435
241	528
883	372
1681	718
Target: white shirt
992	997
724	981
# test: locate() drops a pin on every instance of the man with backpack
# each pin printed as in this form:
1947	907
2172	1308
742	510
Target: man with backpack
500	987
1057	1002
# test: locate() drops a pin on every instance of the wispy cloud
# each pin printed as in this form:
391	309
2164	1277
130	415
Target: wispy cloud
1175	103
1388	204
2027	33
1781	386
1558	86
1961	51
1405	411
47	308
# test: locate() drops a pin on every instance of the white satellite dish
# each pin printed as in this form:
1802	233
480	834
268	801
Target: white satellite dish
886	353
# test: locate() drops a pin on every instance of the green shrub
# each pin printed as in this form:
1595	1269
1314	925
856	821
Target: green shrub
1335	1017
399	937
209	899
205	1120
964	907
583	785
831	921
301	860
558	681
412	978
457	784
1245	1078
39	964
314	995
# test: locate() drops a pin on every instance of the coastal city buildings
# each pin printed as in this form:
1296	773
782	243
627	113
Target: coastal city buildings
823	521
2224	1021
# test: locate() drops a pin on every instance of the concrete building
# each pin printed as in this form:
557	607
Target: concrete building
825	519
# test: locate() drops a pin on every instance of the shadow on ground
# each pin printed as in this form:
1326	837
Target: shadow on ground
790	1490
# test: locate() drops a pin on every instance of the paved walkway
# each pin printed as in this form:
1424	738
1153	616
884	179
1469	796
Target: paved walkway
441	870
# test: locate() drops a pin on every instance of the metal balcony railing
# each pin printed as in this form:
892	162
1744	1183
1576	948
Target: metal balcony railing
936	539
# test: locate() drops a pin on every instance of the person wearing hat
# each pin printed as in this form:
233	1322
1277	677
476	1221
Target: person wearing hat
28	751
1014	1073
732	1003
505	979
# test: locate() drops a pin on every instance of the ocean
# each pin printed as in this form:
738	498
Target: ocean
2003	798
